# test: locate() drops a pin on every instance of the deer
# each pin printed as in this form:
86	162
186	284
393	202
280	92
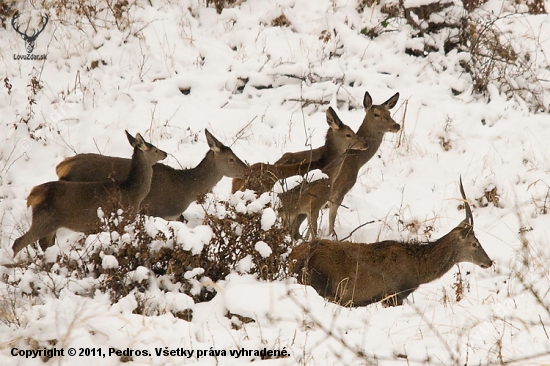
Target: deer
172	190
376	123
359	274
74	205
261	177
299	202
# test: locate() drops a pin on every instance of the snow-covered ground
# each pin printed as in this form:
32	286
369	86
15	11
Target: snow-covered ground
179	68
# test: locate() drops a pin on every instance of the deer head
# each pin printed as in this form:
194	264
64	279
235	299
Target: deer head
470	250
29	39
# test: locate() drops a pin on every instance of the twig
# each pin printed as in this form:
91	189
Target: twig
240	133
357	228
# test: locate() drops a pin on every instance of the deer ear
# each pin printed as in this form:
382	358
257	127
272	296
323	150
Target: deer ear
213	143
464	224
367	101
390	103
130	138
466	231
333	120
140	143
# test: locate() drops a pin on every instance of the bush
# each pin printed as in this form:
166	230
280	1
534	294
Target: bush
444	26
143	257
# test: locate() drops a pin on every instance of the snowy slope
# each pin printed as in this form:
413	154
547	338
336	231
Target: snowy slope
244	80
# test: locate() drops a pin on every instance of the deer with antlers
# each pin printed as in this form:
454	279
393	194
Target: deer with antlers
359	274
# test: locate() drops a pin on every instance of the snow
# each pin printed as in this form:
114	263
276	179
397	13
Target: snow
109	261
247	83
263	248
268	218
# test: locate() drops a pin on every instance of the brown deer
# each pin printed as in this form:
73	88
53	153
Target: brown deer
299	202
359	274
307	199
376	123
339	138
74	205
172	190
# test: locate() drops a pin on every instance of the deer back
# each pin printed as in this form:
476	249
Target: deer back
74	205
339	138
172	190
359	274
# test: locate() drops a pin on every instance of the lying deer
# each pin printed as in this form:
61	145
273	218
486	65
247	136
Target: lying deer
172	190
300	202
388	271
74	205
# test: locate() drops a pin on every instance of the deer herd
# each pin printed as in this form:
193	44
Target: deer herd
352	274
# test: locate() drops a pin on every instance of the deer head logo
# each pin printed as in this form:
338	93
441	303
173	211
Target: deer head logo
29	39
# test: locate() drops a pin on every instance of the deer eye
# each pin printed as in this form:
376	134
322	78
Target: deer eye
377	115
348	135
475	245
231	160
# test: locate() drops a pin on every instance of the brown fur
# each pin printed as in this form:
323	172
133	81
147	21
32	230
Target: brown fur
303	201
359	274
376	123
339	138
172	190
74	205
38	195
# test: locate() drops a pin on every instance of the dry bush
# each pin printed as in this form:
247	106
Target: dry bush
97	13
362	4
489	196
536	7
445	26
7	9
219	5
139	247
280	21
471	5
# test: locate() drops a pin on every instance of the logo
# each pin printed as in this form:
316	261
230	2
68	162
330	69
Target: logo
29	39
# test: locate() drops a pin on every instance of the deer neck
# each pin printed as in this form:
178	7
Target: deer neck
206	174
374	139
436	258
331	154
138	182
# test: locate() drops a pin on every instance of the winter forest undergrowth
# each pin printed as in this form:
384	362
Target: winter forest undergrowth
473	79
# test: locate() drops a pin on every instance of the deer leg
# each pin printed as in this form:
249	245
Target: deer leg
333	210
47	241
23	241
313	217
295	225
42	228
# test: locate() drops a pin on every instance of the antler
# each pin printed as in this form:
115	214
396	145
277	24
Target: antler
16	16
469	215
35	34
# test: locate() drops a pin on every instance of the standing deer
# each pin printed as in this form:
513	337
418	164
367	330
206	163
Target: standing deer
299	202
376	123
339	138
172	190
74	205
388	271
